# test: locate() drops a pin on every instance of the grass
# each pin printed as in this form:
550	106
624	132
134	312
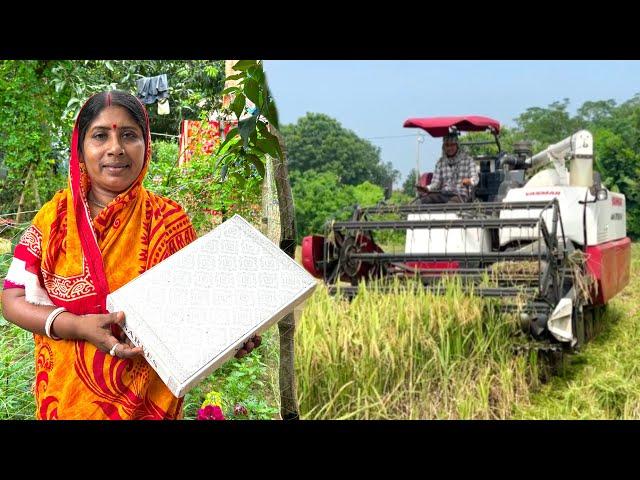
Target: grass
602	381
16	372
17	365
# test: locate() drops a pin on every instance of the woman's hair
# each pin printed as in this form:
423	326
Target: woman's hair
96	104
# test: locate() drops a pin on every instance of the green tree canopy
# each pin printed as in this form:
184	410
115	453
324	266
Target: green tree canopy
409	185
319	197
320	143
29	129
194	85
545	126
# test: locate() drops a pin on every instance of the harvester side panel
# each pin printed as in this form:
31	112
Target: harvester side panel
605	219
610	264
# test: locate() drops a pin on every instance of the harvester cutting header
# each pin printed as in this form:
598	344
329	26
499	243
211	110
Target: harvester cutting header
557	239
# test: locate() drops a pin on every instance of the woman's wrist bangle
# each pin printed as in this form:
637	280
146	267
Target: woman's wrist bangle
49	322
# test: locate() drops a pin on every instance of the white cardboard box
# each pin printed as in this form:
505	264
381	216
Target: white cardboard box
193	311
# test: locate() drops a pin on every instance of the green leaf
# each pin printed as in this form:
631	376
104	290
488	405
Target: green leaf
252	91
108	65
270	146
228	141
72	101
241	181
242	65
238	105
237	76
264	131
228	90
258	162
211	71
272	113
246	127
219	161
259	76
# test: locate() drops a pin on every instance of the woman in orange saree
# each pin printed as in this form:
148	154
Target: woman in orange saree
91	238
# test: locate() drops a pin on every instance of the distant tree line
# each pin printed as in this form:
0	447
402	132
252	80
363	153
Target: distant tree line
332	169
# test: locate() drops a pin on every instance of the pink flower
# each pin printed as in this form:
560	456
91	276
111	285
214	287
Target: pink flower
240	409
210	412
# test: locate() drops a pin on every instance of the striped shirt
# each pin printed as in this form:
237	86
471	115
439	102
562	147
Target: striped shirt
449	173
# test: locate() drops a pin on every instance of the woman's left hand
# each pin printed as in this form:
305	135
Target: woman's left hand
247	348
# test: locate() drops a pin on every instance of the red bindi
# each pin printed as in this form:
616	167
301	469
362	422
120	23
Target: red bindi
114	126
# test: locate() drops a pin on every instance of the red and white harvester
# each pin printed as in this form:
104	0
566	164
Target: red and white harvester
557	240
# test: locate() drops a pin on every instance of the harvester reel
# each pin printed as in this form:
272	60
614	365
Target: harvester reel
333	259
349	266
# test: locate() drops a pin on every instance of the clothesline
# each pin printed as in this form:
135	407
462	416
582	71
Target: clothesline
165	135
16	213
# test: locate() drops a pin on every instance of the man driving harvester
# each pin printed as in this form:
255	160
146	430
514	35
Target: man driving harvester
455	176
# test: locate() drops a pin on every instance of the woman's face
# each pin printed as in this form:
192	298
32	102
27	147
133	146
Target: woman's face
113	150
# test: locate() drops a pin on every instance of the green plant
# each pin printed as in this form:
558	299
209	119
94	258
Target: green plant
16	373
248	382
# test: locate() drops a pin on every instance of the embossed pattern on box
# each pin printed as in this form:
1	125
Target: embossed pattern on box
192	311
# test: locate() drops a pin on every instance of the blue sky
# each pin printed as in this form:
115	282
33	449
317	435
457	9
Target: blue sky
373	98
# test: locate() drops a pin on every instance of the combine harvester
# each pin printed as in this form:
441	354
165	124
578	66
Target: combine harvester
554	247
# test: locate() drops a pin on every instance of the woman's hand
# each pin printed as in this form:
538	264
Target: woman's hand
96	329
247	348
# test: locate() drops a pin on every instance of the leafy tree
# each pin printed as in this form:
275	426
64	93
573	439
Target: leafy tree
597	112
619	166
320	143
409	185
194	86
319	197
367	194
257	140
545	126
29	113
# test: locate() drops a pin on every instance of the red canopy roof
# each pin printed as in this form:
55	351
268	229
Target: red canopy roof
439	126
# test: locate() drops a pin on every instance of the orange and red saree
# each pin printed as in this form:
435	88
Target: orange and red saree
67	259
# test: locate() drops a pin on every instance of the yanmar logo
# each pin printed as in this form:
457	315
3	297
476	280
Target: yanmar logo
545	192
616	201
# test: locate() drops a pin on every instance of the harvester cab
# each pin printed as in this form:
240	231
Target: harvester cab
489	162
552	247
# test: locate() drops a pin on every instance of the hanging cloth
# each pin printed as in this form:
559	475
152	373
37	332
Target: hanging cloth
151	89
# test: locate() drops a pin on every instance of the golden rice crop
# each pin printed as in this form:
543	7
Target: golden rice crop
409	354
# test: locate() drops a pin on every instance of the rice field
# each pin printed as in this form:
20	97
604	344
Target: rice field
413	355
410	355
